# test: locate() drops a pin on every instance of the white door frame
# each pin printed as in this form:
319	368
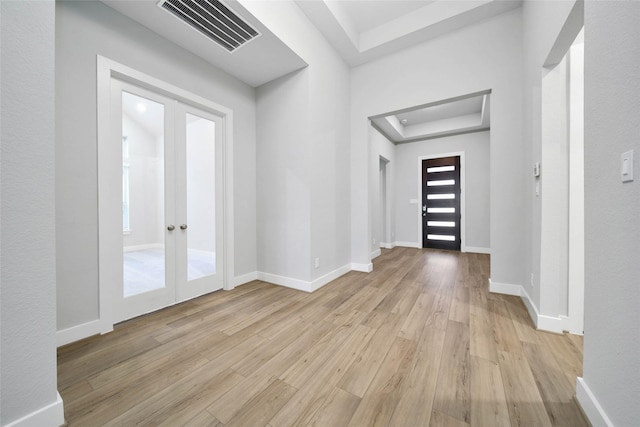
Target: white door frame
463	221
106	69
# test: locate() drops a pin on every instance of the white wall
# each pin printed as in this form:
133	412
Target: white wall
548	27
27	248
612	225
284	223
484	56
87	29
303	169
476	195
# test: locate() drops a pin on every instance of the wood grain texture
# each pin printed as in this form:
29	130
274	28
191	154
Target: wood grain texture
420	341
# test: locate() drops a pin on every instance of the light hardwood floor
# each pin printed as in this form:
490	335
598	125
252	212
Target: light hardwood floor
418	342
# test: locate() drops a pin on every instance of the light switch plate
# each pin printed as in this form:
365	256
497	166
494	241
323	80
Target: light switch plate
626	166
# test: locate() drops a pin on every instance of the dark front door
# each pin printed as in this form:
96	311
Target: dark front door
441	203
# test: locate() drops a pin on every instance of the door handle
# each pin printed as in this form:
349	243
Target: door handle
183	227
171	227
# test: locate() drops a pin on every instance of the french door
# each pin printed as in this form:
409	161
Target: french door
441	203
168	173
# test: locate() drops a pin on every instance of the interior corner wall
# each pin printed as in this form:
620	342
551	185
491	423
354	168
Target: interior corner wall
83	31
283	184
477	182
303	161
27	244
612	225
543	22
487	55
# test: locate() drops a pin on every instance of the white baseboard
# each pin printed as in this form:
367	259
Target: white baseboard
303	285
542	322
531	307
590	406
409	245
477	250
504	288
287	282
245	278
321	281
50	415
375	254
79	332
364	268
387	245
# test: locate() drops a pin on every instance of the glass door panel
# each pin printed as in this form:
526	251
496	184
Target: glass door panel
144	260
138	180
199	202
201	196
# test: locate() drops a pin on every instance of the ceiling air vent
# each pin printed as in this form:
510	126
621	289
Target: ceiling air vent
213	19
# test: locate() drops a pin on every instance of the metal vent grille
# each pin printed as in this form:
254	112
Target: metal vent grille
213	19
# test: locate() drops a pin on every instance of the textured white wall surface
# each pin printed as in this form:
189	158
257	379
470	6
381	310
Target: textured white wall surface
83	31
27	249
484	56
303	161
612	221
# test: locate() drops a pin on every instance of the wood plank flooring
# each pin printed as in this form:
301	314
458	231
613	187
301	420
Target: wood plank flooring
418	342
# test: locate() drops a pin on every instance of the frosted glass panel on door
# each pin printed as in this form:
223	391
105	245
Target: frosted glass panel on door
201	197
143	194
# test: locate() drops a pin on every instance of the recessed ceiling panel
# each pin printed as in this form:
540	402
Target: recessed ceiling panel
366	15
454	116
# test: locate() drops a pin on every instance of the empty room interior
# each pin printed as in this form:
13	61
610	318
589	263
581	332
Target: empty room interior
320	212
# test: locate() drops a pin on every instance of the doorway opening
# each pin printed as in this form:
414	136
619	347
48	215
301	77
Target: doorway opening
385	234
560	186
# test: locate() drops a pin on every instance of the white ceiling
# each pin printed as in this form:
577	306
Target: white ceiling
364	30
455	116
366	15
259	61
360	30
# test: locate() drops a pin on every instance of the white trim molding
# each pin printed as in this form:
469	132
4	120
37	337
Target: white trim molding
590	406
364	268
541	322
79	332
50	415
329	277
287	282
375	254
303	285
387	245
477	250
408	245
245	278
